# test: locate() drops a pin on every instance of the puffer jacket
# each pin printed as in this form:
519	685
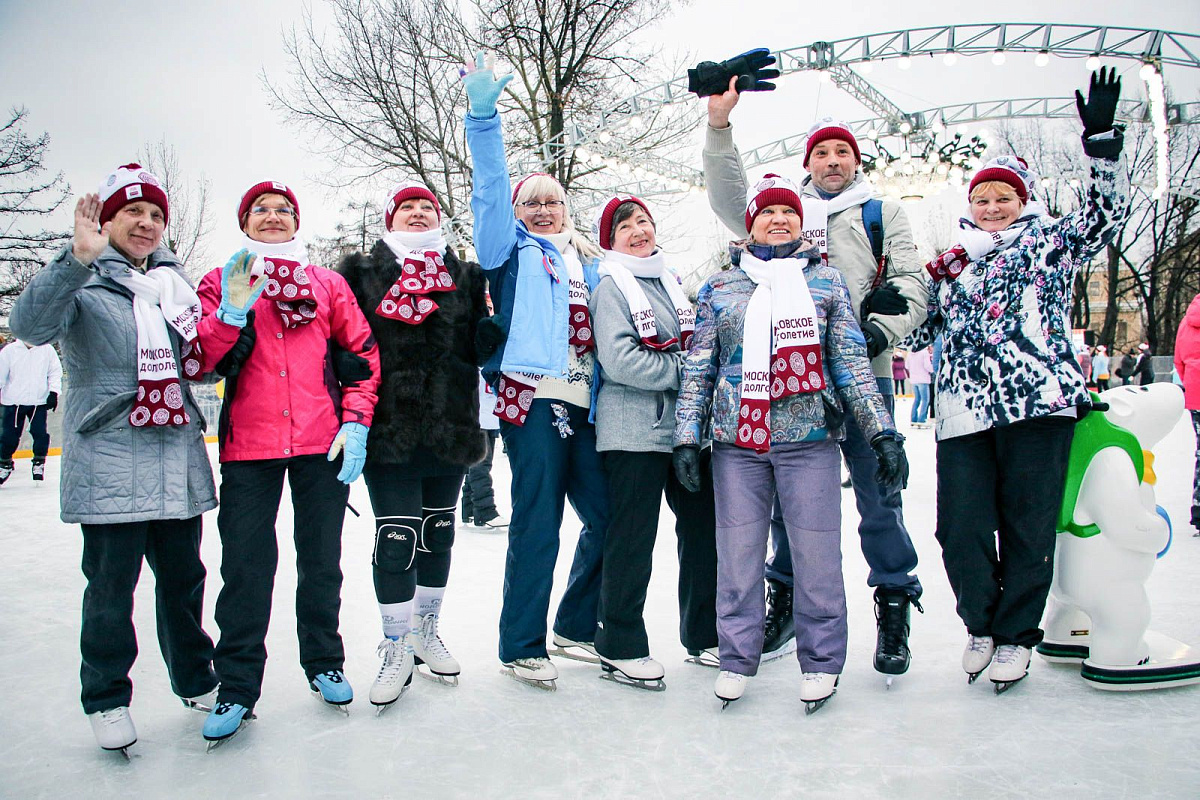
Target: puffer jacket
428	396
1187	354
848	244
712	371
288	401
112	472
1008	353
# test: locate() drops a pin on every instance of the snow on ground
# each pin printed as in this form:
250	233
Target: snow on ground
931	735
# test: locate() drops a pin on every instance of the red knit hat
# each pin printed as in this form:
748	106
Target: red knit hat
829	128
128	184
407	190
267	187
602	226
772	190
1003	169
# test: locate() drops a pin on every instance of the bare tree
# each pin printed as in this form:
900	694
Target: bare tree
189	222
28	196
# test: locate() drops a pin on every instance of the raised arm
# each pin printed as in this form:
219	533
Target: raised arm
491	193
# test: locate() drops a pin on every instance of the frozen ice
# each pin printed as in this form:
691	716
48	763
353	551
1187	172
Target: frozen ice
930	735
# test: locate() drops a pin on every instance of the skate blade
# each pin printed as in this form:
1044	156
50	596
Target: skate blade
726	703
124	751
971	676
194	706
213	744
574	654
888	681
444	680
813	706
1001	687
775	655
650	685
548	686
342	707
703	661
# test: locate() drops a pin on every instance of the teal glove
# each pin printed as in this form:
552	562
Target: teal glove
353	437
237	294
483	88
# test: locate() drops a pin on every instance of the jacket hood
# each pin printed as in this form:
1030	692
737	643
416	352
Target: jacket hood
1193	312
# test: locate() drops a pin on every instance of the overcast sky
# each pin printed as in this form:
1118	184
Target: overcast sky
106	77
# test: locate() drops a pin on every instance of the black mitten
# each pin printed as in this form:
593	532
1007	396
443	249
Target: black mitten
885	300
231	364
709	77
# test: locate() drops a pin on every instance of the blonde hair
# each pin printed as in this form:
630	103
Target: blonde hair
999	187
546	186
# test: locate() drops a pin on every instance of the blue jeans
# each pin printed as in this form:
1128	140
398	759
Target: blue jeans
546	470
920	409
885	541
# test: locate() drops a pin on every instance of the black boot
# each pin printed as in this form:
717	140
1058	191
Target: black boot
1195	518
39	469
780	628
892	617
6	469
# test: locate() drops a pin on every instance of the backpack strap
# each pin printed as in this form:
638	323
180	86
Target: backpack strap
872	215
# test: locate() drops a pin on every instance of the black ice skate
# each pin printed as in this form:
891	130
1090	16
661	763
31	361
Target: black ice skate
640	673
892	656
39	469
6	469
779	630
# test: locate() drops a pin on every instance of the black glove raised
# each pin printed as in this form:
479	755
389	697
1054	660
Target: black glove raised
488	338
351	369
1100	109
893	464
885	300
686	460
876	339
52	401
231	364
709	77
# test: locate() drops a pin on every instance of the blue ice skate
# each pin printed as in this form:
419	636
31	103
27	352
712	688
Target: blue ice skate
333	688
225	720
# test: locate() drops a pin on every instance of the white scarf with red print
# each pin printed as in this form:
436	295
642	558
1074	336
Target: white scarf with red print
420	255
284	267
625	269
162	297
781	345
817	213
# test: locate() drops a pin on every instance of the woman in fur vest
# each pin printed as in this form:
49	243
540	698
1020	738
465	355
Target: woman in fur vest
423	305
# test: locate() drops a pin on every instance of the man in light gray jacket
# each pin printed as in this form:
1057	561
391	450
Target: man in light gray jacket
889	298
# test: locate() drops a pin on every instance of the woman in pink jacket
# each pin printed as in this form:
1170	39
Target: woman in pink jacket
1187	364
270	322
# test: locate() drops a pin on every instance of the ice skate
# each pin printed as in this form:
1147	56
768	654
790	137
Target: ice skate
779	629
892	656
39	469
224	722
6	470
977	656
1009	667
729	687
114	729
428	649
333	688
708	657
816	688
395	675
202	702
576	651
497	524
641	673
538	672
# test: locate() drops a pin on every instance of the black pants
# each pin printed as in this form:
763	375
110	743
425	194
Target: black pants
112	563
250	494
1006	481
636	483
414	530
15	418
478	497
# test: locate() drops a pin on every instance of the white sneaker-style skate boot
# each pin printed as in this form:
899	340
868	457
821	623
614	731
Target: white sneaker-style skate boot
429	650
114	729
816	688
729	687
977	656
642	673
1010	665
538	672
395	675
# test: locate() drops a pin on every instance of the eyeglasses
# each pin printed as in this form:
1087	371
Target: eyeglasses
551	205
262	211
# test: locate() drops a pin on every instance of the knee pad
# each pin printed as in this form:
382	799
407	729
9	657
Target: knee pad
395	543
437	530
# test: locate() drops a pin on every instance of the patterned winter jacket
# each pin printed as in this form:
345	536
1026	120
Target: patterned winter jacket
1008	354
712	372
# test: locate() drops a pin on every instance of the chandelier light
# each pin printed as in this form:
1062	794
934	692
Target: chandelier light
922	164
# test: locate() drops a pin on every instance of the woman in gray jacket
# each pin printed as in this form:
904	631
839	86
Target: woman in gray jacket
135	473
643	323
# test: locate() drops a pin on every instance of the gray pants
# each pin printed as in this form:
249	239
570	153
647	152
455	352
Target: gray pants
807	478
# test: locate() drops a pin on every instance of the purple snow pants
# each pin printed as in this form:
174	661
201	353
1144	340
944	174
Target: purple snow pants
807	478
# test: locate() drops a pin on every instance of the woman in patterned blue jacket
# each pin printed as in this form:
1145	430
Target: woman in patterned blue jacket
1009	387
775	352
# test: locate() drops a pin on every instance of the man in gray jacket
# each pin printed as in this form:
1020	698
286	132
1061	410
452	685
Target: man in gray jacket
889	298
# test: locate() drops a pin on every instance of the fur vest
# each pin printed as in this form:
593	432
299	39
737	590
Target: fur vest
429	390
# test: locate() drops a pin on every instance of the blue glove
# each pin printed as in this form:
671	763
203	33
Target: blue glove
237	294
483	88
352	436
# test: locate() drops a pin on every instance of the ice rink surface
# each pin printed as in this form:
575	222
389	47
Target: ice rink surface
930	735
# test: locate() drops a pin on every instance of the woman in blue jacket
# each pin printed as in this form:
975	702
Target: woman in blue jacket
539	354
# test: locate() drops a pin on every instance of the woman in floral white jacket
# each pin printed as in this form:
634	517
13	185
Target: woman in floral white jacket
1009	387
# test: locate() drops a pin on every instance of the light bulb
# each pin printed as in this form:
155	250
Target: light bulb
905	62
998	57
1093	62
950	59
872	134
906	127
1042	58
1146	71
